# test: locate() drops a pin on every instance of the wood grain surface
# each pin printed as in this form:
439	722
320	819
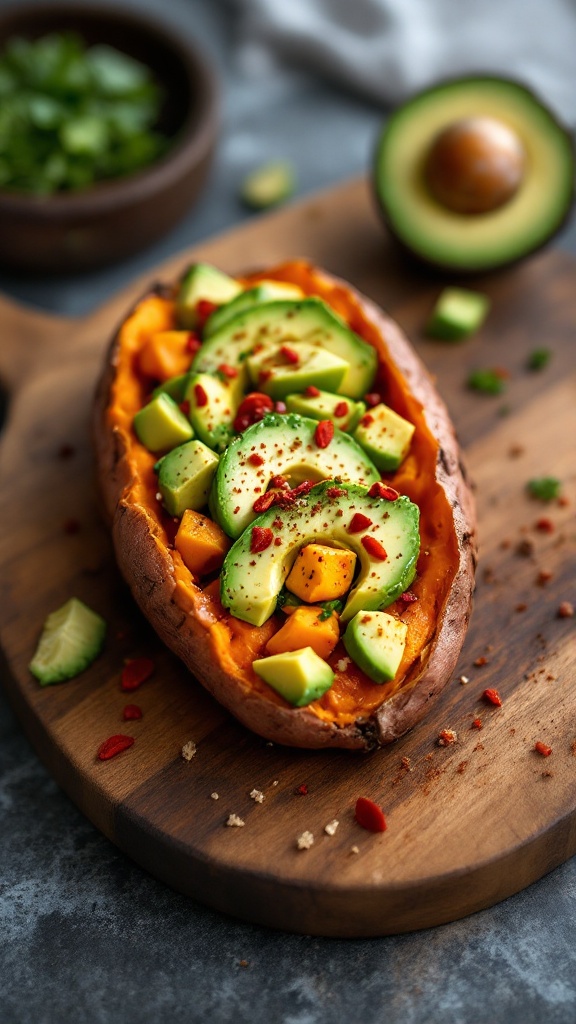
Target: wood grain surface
468	824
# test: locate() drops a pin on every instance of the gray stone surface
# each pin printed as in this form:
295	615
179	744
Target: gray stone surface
85	935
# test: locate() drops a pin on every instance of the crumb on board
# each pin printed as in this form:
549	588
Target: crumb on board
446	737
305	841
463	680
257	796
330	828
189	750
234	821
354	849
214	796
275	783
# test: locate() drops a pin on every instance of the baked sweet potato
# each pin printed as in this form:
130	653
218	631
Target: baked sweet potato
186	610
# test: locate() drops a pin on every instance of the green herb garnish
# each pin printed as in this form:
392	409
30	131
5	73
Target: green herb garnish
491	382
285	597
545	488
328	607
71	115
538	359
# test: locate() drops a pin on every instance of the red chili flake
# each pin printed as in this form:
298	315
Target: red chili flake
492	697
289	354
563	501
301	790
542	748
358	523
446	737
185	407
280	407
369	815
253	408
372	399
204	309
135	672
114	745
408	597
521	607
280	482
193	342
228	371
324	433
543	577
264	375
341	409
335	492
479	662
255	459
545	525
131	713
311	391
381	490
565	610
260	539
71	526
366	420
476	724
200	396
302	488
66	451
264	502
374	548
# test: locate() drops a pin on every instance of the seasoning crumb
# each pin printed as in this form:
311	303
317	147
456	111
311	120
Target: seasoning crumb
354	849
521	607
492	697
462	767
305	841
342	664
476	724
525	548
257	796
189	750
547	775
446	737
214	796
275	783
463	680
479	662
565	610
515	451
543	577
542	748
243	963
331	827
269	743
234	820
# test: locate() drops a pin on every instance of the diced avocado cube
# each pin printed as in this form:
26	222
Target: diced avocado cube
161	425
344	412
202	281
277	375
375	641
298	676
71	639
457	314
175	387
185	477
268	185
385	436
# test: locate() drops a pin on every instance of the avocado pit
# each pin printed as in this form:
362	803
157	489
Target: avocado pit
475	165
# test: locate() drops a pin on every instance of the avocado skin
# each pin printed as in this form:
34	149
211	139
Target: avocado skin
461	267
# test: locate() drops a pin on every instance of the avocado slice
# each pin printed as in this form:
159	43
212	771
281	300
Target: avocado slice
299	676
385	436
273	373
266	291
185	477
326	406
71	639
252	579
533	204
161	425
213	402
273	324
375	641
203	281
280	445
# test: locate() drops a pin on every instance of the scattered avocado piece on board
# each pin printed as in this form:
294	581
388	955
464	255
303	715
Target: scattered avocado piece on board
457	314
474	173
268	185
490	382
545	488
298	676
71	639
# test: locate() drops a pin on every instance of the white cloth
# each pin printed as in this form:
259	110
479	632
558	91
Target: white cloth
387	49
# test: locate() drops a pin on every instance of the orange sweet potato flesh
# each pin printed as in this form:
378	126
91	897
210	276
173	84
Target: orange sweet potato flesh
355	713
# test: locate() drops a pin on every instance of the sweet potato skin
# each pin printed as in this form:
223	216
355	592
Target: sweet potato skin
189	627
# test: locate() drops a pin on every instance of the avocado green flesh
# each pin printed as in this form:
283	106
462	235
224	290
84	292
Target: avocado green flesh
161	425
72	637
457	313
185	477
323	407
213	422
251	581
299	676
288	447
203	281
274	376
284	322
474	241
267	291
375	641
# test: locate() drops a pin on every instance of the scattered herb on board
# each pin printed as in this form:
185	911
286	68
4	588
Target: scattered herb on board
71	115
545	488
490	382
538	359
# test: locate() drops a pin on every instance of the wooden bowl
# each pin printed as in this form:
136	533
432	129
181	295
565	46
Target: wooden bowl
106	222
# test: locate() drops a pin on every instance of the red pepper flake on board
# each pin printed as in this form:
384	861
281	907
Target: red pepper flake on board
382	490
200	396
311	391
479	662
543	577
132	713
260	539
545	525
255	459
358	523
193	342
324	433
492	697
374	548
372	399
301	790
112	746
565	610
228	371
542	748
341	409
477	724
290	354
369	815
135	672
447	737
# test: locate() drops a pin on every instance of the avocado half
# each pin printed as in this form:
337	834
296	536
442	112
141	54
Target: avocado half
474	241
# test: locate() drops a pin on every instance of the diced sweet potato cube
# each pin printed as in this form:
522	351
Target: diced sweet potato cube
304	628
321	573
165	354
201	543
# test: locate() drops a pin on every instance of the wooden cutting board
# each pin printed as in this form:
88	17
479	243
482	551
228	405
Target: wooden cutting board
468	824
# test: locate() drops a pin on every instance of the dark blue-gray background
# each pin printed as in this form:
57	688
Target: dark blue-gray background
85	936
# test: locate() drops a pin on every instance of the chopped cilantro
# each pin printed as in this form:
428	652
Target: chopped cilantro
546	488
538	359
328	607
491	382
285	597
